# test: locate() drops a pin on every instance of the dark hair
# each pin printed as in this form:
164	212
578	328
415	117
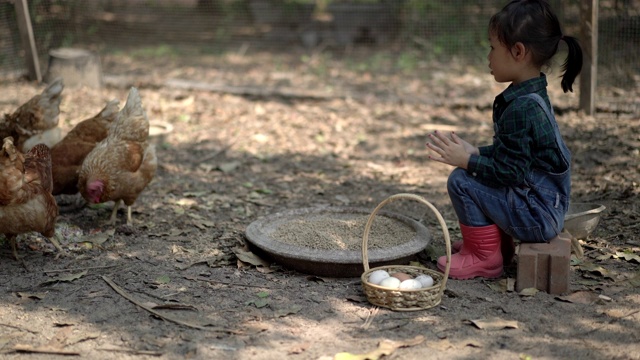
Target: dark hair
533	23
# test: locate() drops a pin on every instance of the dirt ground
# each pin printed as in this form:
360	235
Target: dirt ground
260	133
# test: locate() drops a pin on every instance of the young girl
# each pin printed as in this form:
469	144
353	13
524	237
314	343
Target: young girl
519	186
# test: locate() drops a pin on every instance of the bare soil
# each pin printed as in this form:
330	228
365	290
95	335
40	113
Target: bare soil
285	131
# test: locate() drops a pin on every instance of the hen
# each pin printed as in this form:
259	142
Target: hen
26	203
123	164
67	155
35	121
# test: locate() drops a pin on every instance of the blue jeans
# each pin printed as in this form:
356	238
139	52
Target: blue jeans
513	209
532	212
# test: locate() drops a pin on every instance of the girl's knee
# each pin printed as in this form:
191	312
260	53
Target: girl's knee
457	177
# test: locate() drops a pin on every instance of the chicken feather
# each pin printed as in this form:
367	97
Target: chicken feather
35	121
26	203
121	166
67	155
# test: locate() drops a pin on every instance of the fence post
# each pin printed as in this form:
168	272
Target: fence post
589	37
28	40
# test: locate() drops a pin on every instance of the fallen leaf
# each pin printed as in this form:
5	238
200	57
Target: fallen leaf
249	257
441	345
628	256
298	348
494	324
595	269
528	292
579	297
195	194
288	311
635	281
65	278
260	303
228	167
36	296
503	285
175	307
99	238
385	348
77	338
162	279
186	202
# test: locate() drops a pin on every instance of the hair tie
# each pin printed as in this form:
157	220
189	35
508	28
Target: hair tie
562	37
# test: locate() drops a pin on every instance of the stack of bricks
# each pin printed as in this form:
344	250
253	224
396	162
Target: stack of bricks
545	266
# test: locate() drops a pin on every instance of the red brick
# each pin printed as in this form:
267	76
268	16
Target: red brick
545	266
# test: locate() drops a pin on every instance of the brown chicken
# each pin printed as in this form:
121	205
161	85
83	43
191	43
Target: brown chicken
123	164
26	203
67	155
35	121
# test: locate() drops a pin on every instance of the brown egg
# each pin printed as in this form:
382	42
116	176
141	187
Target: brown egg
401	276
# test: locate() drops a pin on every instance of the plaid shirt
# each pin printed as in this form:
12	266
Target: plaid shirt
523	138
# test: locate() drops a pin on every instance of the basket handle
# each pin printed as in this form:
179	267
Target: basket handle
367	229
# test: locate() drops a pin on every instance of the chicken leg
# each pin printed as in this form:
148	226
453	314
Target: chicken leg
54	240
114	212
129	220
56	243
12	242
116	206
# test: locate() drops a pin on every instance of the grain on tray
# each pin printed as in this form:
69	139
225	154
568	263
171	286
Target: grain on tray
344	232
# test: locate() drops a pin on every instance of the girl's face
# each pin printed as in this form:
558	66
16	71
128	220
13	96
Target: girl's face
501	61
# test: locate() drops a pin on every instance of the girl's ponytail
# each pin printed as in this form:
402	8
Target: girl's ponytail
573	64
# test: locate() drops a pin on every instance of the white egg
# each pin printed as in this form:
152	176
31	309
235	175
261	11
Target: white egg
425	280
390	282
410	284
377	276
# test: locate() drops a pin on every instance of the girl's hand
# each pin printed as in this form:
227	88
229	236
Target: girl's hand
452	149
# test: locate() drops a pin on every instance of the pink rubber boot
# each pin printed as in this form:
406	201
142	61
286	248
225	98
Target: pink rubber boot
507	246
480	255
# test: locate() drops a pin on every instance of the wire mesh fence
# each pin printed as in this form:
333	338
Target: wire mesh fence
428	30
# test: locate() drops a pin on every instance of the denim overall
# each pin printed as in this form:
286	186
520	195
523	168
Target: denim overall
531	212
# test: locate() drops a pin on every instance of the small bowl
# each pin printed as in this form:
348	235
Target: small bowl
159	131
582	219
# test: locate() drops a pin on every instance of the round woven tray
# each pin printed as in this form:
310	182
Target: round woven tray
405	300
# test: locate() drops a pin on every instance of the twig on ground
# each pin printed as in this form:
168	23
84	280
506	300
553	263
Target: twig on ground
18	328
611	322
43	350
227	283
81	269
160	315
133	351
372	314
217	153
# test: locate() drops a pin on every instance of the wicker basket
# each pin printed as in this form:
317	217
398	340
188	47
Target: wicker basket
405	300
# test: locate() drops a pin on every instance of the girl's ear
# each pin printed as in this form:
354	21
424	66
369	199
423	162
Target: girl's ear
518	51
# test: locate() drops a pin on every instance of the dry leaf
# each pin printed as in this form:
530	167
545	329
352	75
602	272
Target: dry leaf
528	292
298	348
249	257
175	307
385	348
503	285
595	269
579	297
494	324
65	278
98	238
294	309
628	256
36	296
